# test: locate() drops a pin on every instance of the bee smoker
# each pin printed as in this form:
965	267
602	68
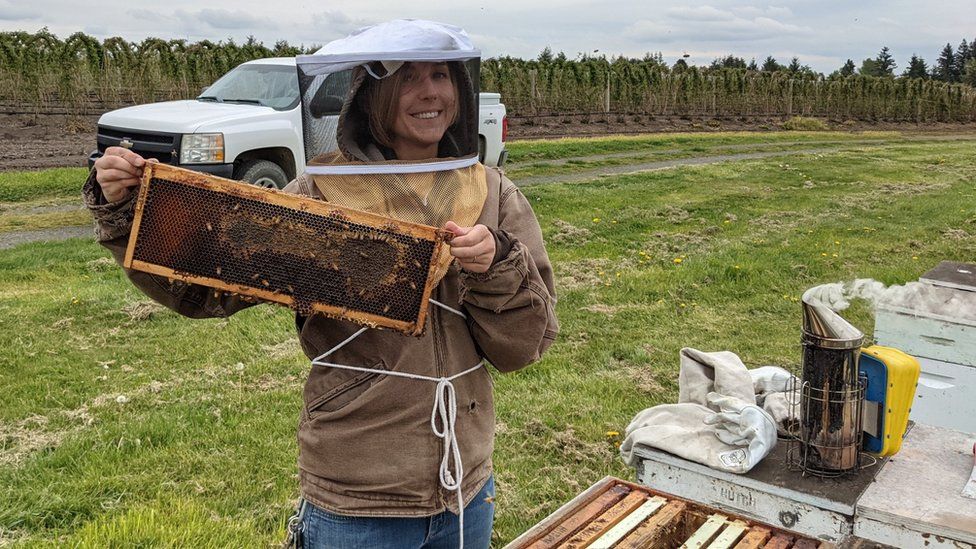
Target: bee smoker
832	393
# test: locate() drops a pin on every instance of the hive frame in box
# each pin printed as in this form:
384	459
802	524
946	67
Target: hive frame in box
599	517
293	202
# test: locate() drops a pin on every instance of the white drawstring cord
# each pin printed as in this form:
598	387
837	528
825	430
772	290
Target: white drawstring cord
445	408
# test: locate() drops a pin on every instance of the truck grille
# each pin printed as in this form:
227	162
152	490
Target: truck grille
304	253
159	145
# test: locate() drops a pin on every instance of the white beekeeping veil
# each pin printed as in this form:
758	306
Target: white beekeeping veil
358	170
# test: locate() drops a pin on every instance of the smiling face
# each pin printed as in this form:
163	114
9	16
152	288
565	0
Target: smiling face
426	106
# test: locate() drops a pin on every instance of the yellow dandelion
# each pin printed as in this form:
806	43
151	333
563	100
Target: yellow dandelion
823	254
677	260
618	275
596	219
613	433
835	255
735	267
915	257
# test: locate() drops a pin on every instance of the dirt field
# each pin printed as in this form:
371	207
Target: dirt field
47	141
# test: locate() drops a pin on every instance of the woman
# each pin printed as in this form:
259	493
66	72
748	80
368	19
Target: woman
371	471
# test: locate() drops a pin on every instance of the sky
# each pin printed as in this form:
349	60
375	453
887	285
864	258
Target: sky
822	34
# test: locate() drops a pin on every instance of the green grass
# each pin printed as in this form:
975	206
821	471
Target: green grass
550	149
34	185
203	452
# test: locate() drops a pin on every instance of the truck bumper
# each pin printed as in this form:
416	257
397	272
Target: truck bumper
220	170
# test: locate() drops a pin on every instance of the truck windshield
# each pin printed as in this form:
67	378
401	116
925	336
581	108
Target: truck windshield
274	86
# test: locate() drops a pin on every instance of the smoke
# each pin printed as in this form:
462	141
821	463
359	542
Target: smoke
915	296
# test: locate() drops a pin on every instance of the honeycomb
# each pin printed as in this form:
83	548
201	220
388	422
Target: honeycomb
307	254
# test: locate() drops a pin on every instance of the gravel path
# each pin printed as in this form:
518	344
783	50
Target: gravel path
587	175
15	238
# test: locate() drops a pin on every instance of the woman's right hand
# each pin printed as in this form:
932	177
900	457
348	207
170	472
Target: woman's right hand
118	171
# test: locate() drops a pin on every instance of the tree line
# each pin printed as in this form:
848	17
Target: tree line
39	71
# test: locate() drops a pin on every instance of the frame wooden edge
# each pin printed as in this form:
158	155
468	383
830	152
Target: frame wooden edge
274	297
440	248
130	248
549	523
295	201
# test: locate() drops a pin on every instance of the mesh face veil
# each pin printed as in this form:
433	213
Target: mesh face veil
402	81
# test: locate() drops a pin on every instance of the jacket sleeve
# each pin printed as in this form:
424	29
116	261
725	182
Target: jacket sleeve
511	306
113	224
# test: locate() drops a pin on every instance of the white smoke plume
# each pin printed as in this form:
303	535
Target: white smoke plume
915	296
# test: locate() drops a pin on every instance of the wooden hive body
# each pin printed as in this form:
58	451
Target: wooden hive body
617	514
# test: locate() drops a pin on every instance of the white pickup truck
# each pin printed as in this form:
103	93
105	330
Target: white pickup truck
248	126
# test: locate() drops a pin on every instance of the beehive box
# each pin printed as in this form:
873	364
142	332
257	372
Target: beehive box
304	253
614	513
944	346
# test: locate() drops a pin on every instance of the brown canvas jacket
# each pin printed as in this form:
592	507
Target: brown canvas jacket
365	441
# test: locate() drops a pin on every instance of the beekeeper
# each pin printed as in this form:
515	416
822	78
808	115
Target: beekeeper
396	432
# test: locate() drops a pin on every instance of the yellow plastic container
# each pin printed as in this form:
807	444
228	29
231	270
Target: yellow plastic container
892	378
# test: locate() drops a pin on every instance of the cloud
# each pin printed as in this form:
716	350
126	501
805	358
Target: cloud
207	22
14	12
699	13
710	24
227	19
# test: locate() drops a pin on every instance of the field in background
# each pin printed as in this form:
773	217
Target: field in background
121	422
39	72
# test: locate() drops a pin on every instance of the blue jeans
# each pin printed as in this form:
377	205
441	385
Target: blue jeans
326	530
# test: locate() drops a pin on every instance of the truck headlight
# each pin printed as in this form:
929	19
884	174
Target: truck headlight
202	148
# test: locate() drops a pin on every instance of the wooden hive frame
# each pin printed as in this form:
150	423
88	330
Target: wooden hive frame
617	514
295	203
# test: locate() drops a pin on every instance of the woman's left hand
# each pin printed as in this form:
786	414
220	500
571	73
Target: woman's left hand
474	247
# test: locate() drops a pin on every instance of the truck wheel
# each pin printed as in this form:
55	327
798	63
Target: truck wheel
262	173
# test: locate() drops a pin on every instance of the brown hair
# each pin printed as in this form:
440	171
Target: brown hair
379	99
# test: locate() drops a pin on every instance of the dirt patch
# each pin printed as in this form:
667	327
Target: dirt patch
567	233
285	349
142	310
33	142
665	245
267	382
21	438
644	379
674	214
585	273
609	310
956	234
101	264
910	188
600	308
565	443
778	221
